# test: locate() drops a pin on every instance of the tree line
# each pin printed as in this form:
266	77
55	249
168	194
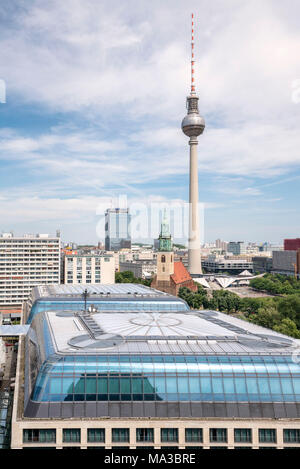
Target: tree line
281	314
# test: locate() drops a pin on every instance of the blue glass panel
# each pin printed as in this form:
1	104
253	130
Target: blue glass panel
160	385
229	386
205	385
263	385
171	385
252	385
183	386
217	385
287	387
67	385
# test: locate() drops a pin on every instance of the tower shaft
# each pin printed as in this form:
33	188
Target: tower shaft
193	125
194	252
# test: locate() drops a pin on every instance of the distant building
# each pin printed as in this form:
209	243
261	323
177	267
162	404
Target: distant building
292	244
27	261
117	229
222	245
262	264
140	268
89	268
220	264
286	262
236	247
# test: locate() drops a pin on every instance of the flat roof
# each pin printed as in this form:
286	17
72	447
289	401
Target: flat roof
203	332
117	289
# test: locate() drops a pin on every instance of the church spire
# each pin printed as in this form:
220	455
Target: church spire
165	238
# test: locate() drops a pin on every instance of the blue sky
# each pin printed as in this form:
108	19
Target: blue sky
95	95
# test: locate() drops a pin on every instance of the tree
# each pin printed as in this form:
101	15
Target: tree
288	327
267	316
289	307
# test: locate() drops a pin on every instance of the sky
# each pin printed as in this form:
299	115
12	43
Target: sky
95	94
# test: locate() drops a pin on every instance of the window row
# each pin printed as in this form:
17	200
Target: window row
167	435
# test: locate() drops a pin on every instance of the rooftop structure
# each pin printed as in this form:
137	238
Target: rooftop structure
145	370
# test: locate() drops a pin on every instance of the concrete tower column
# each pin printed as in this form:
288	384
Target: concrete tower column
194	252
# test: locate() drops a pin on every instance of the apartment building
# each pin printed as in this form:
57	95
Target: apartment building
89	268
27	261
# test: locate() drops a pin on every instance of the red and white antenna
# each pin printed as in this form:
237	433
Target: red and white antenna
193	90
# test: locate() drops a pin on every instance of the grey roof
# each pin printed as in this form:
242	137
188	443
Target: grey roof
113	290
203	332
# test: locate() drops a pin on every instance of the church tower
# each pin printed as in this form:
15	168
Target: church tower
165	255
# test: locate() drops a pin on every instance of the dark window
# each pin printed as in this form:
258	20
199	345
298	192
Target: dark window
218	435
169	435
144	434
193	435
120	435
267	435
71	435
39	436
96	435
243	435
163	258
291	436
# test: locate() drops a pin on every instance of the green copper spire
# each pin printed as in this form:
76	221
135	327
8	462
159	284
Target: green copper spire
165	239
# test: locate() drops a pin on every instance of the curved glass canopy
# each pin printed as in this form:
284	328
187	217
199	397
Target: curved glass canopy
113	306
168	378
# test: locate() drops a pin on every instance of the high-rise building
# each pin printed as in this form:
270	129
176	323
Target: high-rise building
193	125
292	244
27	261
236	248
221	245
117	229
89	268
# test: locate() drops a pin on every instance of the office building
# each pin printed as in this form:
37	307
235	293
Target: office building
286	263
140	369
292	244
117	229
26	261
262	264
140	268
89	268
237	248
221	264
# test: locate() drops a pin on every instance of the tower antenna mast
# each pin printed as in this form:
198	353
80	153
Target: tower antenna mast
193	90
193	125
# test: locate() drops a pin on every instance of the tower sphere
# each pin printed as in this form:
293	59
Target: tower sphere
193	125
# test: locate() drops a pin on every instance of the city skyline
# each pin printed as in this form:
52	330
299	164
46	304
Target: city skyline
74	129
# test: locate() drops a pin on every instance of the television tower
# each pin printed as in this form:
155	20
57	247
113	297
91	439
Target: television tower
193	125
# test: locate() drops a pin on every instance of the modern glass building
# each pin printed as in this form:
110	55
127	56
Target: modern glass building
117	229
116	376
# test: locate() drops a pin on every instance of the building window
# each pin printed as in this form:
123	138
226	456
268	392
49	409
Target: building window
71	435
218	435
96	435
39	436
169	435
144	434
267	435
120	435
291	436
193	435
163	258
242	435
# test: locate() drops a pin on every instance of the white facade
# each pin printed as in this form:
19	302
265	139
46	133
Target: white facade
89	269
26	262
